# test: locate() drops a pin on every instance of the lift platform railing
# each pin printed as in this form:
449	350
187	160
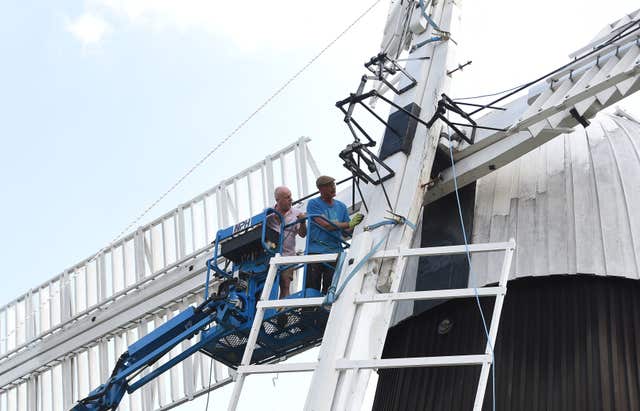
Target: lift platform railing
485	359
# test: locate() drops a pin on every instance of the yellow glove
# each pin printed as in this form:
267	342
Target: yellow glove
357	219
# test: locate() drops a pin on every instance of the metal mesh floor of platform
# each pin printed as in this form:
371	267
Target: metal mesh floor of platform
282	334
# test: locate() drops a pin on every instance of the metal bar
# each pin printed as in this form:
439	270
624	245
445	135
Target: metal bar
139	252
102	278
404	110
414	362
263	185
493	329
297	161
193	226
236	202
207	226
374	114
270	184
176	235
318	192
114	270
476	126
250	195
303	188
124	265
165	348
309	258
163	240
28	317
215	386
220	207
149	250
312	162
446	250
292	302
253	335
50	304
181	241
188	375
277	368
460	103
431	295
283	170
4	346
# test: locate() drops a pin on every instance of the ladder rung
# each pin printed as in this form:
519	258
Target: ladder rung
440	361
431	295
445	250
308	258
273	368
292	302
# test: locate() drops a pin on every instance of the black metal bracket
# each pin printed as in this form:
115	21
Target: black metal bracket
447	104
358	98
381	64
579	118
357	153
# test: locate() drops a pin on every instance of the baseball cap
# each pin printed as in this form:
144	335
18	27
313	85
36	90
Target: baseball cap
323	180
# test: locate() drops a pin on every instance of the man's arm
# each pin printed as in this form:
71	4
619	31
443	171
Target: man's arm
322	222
302	226
344	219
350	222
333	226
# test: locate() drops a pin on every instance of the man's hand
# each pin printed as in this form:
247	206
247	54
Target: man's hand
357	219
302	216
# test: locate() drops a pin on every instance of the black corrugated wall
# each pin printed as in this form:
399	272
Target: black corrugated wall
565	343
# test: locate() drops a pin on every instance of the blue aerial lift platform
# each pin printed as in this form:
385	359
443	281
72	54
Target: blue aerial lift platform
223	320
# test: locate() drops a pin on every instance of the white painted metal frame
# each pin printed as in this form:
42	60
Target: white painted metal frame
245	368
61	338
588	86
344	364
357	331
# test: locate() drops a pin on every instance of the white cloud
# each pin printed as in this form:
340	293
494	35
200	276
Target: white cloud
88	28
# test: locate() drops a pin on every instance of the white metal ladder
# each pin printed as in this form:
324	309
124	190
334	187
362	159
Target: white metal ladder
390	298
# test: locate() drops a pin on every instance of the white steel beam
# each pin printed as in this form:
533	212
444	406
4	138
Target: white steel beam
444	250
253	337
431	295
359	330
414	362
182	279
296	259
277	368
493	329
587	86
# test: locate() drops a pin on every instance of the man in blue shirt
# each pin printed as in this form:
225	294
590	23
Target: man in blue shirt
327	239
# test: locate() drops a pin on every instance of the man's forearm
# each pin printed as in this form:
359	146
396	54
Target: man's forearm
326	225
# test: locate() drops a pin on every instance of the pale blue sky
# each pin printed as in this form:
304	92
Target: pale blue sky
105	103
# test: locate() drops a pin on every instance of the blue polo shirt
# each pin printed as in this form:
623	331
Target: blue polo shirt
321	241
